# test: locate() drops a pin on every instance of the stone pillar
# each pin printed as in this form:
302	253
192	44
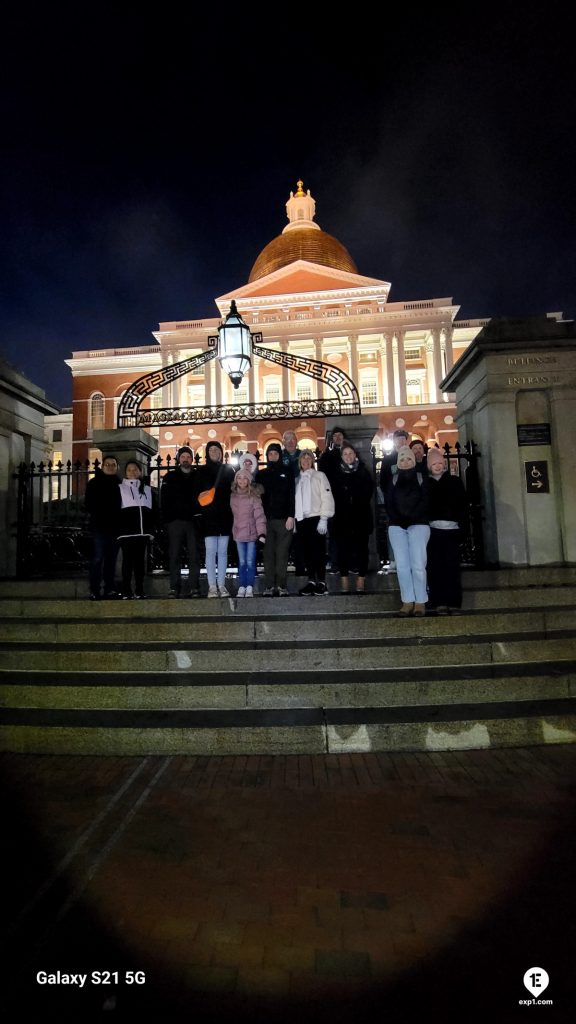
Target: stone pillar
448	332
390	370
360	430
401	368
320	392
208	383
438	372
353	352
382	371
285	374
516	398
127	443
430	374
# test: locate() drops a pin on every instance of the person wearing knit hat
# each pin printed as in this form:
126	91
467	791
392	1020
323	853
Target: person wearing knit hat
179	515
408	531
249	462
215	480
277	481
249	527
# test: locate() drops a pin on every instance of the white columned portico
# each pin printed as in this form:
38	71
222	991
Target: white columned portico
430	374
208	383
353	357
285	374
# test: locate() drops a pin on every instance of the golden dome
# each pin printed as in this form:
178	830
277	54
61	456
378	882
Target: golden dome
302	239
302	244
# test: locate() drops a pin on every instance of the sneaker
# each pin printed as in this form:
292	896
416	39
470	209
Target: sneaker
140	597
126	597
321	589
241	592
173	593
213	592
282	592
269	592
93	597
308	590
111	595
249	591
194	593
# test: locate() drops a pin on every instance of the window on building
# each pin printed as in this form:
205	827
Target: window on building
240	395
56	458
304	391
56	436
414	392
97	412
195	395
369	390
271	389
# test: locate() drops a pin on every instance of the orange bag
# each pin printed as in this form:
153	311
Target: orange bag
206	497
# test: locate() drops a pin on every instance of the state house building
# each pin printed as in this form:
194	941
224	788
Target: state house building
307	298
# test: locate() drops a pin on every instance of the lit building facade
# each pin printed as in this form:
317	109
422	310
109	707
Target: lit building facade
306	297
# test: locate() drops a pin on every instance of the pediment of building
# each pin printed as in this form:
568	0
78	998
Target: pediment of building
302	279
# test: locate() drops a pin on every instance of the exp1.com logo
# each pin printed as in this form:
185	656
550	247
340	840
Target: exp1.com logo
536	980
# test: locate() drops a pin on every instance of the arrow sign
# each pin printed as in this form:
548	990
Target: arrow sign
537	481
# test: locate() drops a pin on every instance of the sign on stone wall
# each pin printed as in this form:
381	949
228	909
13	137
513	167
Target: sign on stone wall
537	481
533	433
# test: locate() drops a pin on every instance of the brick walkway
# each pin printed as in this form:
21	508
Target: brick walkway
292	888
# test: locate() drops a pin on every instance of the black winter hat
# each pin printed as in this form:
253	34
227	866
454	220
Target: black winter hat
183	449
214	444
274	447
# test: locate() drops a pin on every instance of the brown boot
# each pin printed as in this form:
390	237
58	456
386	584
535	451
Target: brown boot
419	609
360	580
406	609
344	584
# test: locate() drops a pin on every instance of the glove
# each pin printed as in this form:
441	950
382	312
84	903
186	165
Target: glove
322	527
262	539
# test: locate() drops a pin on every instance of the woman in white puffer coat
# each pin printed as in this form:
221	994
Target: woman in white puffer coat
314	507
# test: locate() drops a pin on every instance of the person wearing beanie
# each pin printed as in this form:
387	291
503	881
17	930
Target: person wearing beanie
249	462
420	449
178	503
314	506
353	520
135	530
407	506
448	514
103	506
248	527
214	481
277	481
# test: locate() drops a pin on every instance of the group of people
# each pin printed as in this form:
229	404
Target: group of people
287	505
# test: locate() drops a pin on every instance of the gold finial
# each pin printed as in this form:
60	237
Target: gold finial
300	191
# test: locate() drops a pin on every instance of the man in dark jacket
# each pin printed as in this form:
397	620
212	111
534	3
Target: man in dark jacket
103	505
329	463
178	510
278	501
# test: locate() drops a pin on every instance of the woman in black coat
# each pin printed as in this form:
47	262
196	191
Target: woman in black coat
216	515
447	510
353	522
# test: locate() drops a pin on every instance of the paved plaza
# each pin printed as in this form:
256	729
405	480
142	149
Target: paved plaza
388	886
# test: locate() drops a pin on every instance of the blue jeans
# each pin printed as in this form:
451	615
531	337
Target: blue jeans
409	547
216	548
246	562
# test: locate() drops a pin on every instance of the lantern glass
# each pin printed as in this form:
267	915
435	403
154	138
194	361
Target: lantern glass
234	346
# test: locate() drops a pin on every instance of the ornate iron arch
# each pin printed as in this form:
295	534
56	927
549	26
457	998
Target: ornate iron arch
344	402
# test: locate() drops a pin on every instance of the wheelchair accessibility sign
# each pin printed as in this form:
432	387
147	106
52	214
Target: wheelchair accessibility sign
537	481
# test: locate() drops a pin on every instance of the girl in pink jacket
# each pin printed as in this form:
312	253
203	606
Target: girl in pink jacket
249	526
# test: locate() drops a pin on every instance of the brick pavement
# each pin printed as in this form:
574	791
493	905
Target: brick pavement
292	888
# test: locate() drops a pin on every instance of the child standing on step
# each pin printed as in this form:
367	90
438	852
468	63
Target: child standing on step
135	531
249	527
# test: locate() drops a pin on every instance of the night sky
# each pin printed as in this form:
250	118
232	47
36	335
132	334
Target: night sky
147	162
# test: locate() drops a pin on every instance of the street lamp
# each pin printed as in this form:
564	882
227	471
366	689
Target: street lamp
234	346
